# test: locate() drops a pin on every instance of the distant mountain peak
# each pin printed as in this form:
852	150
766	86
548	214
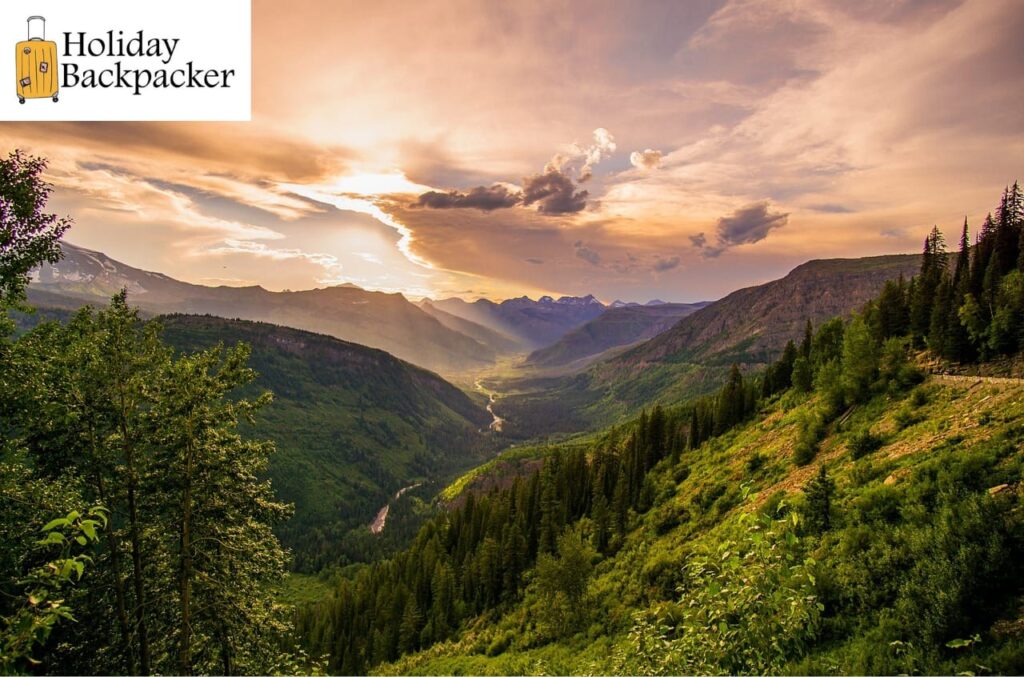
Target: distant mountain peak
577	300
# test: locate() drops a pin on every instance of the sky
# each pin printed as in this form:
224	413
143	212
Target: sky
672	150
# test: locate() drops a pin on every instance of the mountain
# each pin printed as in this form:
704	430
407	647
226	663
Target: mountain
534	324
352	426
754	324
618	326
385	321
749	327
496	341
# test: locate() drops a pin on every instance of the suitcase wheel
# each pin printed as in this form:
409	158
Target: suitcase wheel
55	98
21	99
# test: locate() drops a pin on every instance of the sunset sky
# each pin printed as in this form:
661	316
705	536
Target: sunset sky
633	150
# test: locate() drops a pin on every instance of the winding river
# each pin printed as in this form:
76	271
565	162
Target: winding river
377	525
498	421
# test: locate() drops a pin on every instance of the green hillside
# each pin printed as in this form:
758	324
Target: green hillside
352	426
936	507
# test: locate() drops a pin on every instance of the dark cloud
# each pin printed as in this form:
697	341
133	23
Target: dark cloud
746	225
749	224
554	193
662	265
481	197
534	261
830	208
586	253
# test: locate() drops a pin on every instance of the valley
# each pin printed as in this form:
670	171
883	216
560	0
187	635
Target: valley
542	510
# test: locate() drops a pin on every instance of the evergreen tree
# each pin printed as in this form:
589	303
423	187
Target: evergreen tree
730	401
938	326
819	493
933	266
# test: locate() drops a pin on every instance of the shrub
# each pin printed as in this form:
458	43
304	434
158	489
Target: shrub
748	607
919	397
755	462
811	432
863	443
500	644
906	417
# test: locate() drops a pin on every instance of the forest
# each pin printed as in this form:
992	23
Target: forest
140	528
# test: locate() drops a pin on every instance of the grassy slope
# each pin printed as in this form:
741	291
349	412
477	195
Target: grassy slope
352	424
945	422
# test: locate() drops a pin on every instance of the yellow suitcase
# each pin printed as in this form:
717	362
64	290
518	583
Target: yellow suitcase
37	65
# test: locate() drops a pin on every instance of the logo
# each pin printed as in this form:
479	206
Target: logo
115	60
36	59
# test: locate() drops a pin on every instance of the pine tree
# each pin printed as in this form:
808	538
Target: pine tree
942	310
819	493
409	630
933	264
1007	233
730	402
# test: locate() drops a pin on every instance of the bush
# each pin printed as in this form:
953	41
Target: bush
755	462
748	607
863	443
919	397
906	417
811	432
500	644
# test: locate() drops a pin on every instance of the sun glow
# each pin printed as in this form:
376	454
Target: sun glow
370	183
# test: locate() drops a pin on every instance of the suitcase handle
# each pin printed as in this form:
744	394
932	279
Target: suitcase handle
29	22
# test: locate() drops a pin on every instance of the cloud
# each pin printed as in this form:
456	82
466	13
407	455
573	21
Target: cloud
535	261
645	159
662	265
603	146
749	224
328	262
587	254
746	225
553	190
554	193
480	197
831	208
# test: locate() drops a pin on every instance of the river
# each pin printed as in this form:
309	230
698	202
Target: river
377	525
498	421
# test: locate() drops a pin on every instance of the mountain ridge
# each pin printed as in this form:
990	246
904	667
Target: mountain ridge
376	319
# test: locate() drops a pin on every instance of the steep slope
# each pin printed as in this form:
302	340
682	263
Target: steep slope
496	341
352	426
920	552
534	324
617	326
752	323
385	321
749	327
